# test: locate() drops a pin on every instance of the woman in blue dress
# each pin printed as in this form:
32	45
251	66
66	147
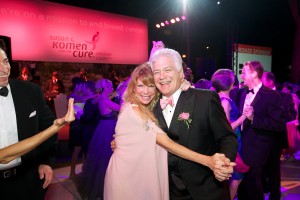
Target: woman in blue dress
94	168
222	81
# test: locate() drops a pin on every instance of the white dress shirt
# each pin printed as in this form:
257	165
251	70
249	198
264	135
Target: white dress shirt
169	110
250	96
8	127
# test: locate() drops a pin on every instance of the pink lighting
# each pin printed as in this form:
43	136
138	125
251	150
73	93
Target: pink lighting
183	17
167	23
46	31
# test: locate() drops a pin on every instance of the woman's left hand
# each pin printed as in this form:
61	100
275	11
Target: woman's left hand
69	117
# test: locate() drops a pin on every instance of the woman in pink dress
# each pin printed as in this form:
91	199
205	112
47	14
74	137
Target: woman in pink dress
138	167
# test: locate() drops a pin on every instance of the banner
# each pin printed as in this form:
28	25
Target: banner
250	52
46	31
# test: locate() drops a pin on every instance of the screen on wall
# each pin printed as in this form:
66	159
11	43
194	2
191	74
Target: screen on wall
246	53
46	31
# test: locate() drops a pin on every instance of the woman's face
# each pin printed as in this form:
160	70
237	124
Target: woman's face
145	93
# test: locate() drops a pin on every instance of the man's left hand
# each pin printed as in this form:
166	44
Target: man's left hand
46	172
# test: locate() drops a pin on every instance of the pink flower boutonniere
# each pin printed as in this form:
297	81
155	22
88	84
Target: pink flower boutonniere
185	117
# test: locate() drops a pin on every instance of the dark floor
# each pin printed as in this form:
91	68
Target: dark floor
63	188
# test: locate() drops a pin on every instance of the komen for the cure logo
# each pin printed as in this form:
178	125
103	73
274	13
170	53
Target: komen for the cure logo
68	45
94	41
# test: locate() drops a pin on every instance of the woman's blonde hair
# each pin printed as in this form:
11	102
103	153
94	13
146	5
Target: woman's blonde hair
143	73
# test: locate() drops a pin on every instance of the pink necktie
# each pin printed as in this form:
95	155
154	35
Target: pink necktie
165	102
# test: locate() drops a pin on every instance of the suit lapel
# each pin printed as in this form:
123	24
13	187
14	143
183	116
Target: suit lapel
185	104
160	117
257	97
18	106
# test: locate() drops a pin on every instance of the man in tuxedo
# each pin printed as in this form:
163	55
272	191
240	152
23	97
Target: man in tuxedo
259	129
271	171
23	113
203	128
54	84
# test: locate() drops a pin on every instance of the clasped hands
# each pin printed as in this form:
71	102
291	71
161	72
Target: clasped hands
248	112
221	166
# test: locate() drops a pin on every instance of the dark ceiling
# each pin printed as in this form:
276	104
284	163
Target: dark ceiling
254	22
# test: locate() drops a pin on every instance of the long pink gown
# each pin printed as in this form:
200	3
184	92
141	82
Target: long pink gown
138	167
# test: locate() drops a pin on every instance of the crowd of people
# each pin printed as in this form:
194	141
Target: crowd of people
152	136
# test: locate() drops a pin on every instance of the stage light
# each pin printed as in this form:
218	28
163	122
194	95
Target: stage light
218	2
207	47
183	56
169	22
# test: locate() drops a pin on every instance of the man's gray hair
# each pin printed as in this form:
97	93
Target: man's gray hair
165	52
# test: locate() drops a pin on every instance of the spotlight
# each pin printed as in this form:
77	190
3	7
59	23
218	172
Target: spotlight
162	24
183	55
183	17
157	26
172	21
218	2
167	23
177	19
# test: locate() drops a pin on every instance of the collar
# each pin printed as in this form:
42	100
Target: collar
8	87
256	88
175	96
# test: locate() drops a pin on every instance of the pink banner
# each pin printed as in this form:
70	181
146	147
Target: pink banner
45	31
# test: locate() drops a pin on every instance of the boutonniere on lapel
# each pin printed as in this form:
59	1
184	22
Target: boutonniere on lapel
185	117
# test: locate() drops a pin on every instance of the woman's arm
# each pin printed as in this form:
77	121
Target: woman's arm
16	150
112	105
227	108
216	163
238	122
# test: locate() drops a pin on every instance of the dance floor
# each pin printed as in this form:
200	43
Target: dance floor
63	188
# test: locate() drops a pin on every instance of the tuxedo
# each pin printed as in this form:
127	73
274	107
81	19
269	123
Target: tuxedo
271	171
208	133
258	138
51	86
32	116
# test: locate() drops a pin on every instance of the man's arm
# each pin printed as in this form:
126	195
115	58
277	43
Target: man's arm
273	120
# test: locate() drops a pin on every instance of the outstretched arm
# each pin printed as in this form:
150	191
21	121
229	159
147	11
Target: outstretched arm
217	163
16	150
227	108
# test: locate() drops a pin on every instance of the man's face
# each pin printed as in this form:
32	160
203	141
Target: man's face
246	75
4	69
166	77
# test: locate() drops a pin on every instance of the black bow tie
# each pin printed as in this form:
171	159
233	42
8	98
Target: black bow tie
252	91
4	91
